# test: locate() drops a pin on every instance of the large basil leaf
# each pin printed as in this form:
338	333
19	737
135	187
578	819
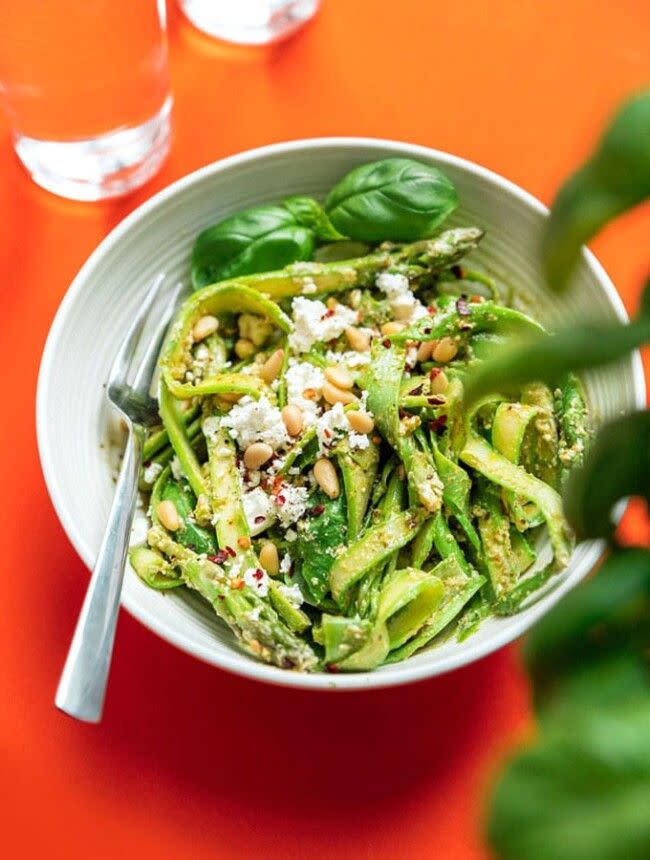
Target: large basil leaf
581	793
309	213
397	199
257	240
325	531
592	648
616	178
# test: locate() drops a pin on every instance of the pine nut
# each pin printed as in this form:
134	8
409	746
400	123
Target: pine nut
401	312
445	350
269	558
424	350
392	327
230	396
439	381
257	455
339	377
244	348
292	417
272	366
326	477
243	542
361	422
358	340
204	327
168	515
333	394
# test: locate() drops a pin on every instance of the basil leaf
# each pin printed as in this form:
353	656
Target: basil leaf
308	213
582	792
617	465
191	534
397	199
590	650
317	543
616	178
260	239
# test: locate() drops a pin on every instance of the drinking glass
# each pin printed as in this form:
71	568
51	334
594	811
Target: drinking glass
86	88
249	22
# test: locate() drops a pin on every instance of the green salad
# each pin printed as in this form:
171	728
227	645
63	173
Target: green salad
317	476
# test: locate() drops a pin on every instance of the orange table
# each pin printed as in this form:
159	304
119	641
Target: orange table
190	761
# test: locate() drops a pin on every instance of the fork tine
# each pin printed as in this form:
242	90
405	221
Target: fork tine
122	361
147	365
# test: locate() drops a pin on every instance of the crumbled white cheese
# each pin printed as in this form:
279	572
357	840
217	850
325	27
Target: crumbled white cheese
291	504
211	427
302	376
411	357
331	426
293	594
256	421
358	440
151	472
313	322
257	579
291	535
350	359
140	529
258	504
285	564
403	303
177	469
254	614
393	285
308	286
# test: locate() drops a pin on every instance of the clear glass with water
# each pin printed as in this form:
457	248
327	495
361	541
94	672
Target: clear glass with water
249	22
86	87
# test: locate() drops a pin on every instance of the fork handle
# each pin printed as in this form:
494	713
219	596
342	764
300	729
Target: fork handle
82	686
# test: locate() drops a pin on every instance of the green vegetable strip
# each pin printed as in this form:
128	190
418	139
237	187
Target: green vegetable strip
457	590
193	535
262	634
382	383
496	468
542	460
169	412
153	569
358	469
160	439
371	549
409	597
446	544
509	428
494	528
214	300
574	432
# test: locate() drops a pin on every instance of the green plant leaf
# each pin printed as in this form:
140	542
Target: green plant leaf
581	793
317	543
592	648
616	178
260	239
616	466
309	213
397	199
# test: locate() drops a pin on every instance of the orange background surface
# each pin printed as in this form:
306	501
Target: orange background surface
190	761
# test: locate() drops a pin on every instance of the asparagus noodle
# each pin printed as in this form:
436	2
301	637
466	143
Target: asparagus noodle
230	297
153	568
382	381
574	431
494	528
540	457
180	440
253	620
159	440
479	455
371	549
358	468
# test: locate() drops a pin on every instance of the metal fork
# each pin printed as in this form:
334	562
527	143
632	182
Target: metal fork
83	682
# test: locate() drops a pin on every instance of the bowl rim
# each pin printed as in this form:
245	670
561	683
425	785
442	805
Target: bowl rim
232	660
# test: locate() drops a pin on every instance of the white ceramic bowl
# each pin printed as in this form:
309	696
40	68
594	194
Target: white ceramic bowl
72	417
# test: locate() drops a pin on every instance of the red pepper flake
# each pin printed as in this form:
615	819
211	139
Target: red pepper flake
317	510
458	272
280	499
221	597
386	343
332	668
435	371
415	391
432	309
277	484
462	307
237	584
327	432
231	552
259	574
402	412
328	313
427	330
438	424
436	400
475	300
147	464
287	663
259	519
220	556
